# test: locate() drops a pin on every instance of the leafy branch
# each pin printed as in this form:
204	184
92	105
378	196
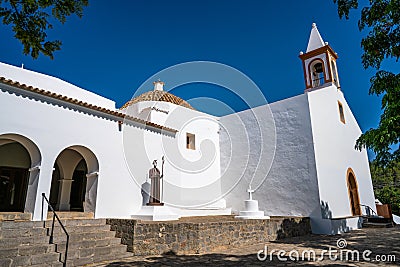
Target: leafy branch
29	20
382	19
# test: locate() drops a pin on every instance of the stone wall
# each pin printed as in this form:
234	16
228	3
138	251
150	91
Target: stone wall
205	234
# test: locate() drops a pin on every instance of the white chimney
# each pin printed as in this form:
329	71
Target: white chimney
158	85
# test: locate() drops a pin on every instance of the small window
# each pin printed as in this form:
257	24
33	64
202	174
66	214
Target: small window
341	112
190	141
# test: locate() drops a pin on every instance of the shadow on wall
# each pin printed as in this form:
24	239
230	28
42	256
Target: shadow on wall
145	193
332	226
294	227
325	211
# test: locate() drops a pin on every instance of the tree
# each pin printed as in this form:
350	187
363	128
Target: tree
30	20
381	18
387	184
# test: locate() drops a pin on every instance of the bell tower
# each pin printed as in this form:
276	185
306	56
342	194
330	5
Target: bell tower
319	63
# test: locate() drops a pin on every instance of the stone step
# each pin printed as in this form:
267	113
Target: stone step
27	243
79	229
20	225
28	260
23	232
15	216
9	263
48	223
13	242
378	220
95	252
60	247
91	261
71	215
83	236
24	250
82	222
377	225
45	258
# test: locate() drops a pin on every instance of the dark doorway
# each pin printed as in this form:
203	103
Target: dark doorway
78	187
15	162
55	186
78	190
13	187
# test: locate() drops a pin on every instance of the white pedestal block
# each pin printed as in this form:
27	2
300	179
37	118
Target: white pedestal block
155	213
251	211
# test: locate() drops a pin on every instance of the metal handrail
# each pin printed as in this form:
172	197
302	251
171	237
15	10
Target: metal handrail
52	227
369	208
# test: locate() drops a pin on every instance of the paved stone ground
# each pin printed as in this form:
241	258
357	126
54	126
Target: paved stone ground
382	242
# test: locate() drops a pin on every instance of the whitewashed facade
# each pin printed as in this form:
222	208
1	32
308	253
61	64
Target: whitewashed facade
86	155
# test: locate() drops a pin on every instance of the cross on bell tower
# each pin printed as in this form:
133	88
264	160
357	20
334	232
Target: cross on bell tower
319	62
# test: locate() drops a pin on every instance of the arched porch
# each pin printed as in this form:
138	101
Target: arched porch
74	180
20	161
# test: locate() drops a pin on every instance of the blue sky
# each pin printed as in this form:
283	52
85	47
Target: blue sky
118	45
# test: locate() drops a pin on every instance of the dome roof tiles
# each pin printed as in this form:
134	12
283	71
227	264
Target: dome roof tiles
158	95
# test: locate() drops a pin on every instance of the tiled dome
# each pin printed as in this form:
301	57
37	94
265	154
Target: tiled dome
157	95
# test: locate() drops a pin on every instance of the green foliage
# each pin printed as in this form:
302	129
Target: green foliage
387	134
30	20
389	195
386	183
382	19
344	7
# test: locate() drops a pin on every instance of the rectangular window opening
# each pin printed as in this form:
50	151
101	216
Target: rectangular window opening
341	112
190	141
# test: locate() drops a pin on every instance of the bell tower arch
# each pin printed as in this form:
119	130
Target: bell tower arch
319	62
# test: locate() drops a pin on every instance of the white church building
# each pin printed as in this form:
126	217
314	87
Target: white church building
86	155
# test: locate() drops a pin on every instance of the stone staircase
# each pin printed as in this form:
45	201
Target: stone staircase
26	243
377	222
15	216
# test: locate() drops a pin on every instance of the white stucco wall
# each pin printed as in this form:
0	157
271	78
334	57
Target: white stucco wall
123	156
53	128
290	188
314	150
191	176
334	152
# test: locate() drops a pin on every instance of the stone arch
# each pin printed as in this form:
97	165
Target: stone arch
77	171
20	172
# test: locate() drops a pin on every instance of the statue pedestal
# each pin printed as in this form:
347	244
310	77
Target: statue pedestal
156	213
251	211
